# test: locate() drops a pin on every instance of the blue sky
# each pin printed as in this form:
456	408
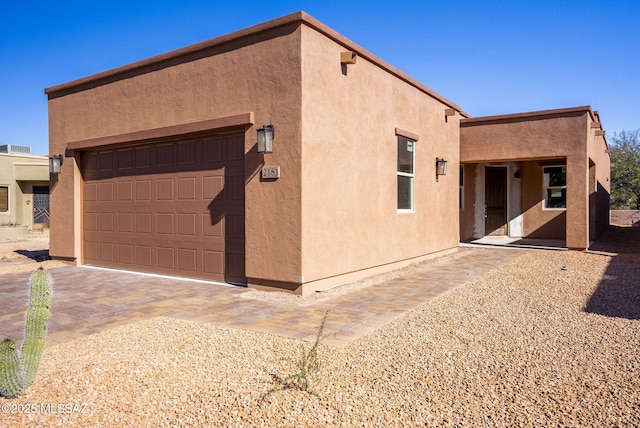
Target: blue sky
490	57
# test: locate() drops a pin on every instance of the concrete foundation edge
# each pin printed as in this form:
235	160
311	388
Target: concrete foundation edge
308	288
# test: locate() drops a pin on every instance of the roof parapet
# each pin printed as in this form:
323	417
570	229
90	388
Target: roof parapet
299	17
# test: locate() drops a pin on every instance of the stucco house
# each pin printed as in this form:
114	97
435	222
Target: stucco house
168	167
24	190
541	174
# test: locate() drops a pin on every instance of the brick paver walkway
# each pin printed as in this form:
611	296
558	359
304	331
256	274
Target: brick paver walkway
87	301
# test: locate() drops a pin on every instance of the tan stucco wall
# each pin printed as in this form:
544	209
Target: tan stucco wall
556	135
598	153
331	216
21	173
349	189
256	74
539	222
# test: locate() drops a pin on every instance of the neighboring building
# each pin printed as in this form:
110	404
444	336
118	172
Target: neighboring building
162	172
542	174
24	189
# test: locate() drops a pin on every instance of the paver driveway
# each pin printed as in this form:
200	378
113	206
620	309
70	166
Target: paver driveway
88	300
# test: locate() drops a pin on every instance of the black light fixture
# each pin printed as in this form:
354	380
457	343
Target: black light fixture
265	139
441	167
55	164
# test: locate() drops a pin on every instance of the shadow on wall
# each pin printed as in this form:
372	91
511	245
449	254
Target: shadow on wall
618	294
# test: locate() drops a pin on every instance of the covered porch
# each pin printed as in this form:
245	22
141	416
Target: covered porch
539	175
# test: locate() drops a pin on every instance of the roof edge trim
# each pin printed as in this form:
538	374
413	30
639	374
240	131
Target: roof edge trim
299	17
526	115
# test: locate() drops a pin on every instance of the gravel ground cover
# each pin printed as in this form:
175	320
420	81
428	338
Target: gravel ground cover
26	255
549	340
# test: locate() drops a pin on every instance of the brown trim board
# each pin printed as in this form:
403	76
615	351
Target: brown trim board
407	134
244	120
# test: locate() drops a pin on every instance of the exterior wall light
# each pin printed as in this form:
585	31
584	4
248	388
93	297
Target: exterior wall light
55	164
265	139
441	167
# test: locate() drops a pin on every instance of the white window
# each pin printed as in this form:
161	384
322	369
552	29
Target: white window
4	199
406	174
461	191
554	182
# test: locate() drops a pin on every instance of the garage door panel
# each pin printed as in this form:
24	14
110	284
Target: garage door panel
187	152
213	262
143	255
105	252
125	253
105	192
187	259
143	190
212	151
166	258
125	222
212	187
142	156
89	163
143	223
90	251
165	223
90	221
105	222
186	189
164	189
105	161
165	154
125	191
174	208
126	158
91	192
186	224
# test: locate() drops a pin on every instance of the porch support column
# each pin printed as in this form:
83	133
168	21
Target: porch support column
577	229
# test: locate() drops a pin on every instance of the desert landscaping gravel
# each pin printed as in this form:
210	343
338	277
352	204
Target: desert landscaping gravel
551	339
26	255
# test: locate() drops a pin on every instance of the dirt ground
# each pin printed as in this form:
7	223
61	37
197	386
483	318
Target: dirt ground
24	255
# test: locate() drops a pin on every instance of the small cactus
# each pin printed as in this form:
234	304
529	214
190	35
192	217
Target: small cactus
17	372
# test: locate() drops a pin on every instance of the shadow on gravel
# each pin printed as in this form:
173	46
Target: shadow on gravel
618	294
38	255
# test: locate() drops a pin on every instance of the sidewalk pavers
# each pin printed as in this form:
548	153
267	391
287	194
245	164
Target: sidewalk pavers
87	301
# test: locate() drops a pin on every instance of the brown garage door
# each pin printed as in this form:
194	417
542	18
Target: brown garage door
172	207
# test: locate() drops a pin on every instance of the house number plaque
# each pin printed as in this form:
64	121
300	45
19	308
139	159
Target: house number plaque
271	172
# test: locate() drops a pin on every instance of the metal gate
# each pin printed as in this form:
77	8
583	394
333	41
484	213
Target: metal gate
41	205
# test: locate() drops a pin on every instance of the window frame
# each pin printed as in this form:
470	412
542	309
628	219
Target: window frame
411	176
546	187
8	187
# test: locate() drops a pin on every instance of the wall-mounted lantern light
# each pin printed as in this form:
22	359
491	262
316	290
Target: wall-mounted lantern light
265	139
441	167
55	164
